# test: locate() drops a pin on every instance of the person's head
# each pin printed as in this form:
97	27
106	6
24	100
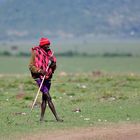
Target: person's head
44	43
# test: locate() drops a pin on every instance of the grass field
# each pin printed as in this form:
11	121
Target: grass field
101	98
105	89
19	65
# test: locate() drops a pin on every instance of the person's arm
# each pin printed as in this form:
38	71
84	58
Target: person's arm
53	64
53	67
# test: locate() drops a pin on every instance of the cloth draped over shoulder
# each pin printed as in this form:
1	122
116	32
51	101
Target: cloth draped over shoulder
39	60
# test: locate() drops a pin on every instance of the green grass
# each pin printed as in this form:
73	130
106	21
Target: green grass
107	90
19	65
105	98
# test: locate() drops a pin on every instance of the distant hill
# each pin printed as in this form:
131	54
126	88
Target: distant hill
29	19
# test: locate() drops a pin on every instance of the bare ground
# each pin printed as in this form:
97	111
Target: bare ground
109	132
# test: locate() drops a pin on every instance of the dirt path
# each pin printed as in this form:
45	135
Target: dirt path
110	132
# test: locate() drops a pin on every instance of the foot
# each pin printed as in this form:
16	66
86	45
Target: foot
41	119
59	120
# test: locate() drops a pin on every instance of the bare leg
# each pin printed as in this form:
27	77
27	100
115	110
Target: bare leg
51	106
43	106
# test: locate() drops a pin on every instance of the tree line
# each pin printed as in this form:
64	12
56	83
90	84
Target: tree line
70	54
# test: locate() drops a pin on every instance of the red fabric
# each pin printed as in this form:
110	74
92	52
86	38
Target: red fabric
42	59
44	41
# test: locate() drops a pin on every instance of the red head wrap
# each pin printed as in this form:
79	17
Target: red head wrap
44	41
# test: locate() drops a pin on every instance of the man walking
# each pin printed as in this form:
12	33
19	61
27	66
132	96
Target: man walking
40	57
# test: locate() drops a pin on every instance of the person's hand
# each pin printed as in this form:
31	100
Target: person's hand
42	72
